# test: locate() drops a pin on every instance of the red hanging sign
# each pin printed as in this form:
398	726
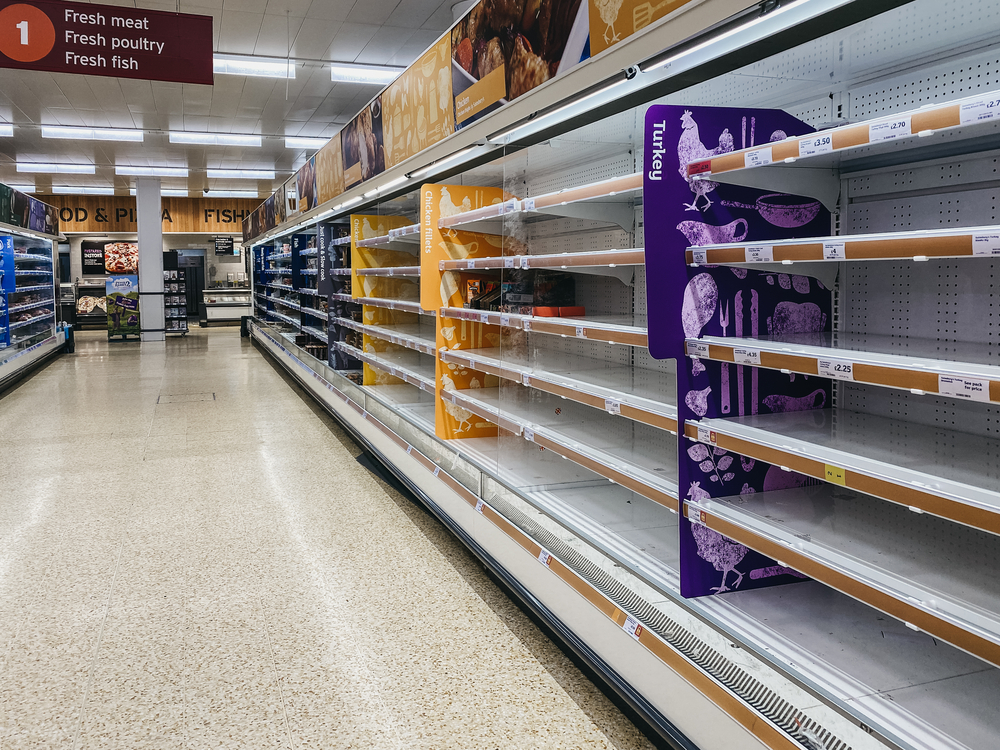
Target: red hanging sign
106	40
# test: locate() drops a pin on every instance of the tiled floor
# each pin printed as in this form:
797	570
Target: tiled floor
190	556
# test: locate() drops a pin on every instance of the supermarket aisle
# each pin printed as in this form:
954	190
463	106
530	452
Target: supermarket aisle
190	556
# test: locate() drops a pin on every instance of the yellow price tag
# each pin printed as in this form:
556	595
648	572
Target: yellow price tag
836	475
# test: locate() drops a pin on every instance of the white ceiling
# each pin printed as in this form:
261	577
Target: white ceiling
385	32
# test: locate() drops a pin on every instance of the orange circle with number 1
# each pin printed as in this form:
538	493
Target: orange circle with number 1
26	33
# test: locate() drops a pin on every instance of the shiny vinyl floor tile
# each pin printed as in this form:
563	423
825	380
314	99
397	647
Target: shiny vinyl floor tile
191	557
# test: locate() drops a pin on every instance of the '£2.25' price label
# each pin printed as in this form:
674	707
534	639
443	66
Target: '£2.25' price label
837	369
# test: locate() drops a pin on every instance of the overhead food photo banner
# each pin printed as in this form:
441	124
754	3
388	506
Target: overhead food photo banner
612	21
106	40
21	210
502	50
417	107
330	170
361	142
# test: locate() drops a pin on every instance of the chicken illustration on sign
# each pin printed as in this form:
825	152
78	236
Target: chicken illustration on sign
689	149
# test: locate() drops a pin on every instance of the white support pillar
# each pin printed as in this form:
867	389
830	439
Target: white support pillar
147	204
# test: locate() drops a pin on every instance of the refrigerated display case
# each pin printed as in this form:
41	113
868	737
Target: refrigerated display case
30	328
226	305
707	374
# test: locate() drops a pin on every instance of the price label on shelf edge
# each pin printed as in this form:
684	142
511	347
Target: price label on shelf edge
581	332
837	369
744	356
632	627
484	317
835	474
759	254
760	157
528	204
470	263
529	435
697	348
611	406
834	251
479	506
979	110
815	144
699	256
544	557
705	435
970	389
526	325
987	243
504	320
889	130
700	167
508	262
524	262
525	378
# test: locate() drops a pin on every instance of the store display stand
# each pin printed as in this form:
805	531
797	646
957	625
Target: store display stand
175	301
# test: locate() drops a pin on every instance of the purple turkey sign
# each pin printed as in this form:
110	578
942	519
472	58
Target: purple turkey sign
688	302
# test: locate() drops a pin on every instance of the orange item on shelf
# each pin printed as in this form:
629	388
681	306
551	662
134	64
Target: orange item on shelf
545	312
572	312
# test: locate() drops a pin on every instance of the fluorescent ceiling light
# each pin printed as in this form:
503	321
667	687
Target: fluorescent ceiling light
441	163
6	130
56	168
23	188
214	139
231	194
152	171
237	65
364	73
241	174
306	143
167	193
351	202
59	190
92	134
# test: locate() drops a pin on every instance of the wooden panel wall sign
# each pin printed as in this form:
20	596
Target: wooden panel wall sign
113	213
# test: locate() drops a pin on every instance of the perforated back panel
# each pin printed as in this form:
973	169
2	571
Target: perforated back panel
918	32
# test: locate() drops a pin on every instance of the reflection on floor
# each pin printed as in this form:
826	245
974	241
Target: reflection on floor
190	556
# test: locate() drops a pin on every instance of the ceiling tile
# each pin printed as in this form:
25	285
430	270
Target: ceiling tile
239	32
349	42
333	10
276	34
384	45
416	12
442	18
295	8
374	11
313	39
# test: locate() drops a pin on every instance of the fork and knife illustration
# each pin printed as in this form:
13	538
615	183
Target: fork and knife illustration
724	321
